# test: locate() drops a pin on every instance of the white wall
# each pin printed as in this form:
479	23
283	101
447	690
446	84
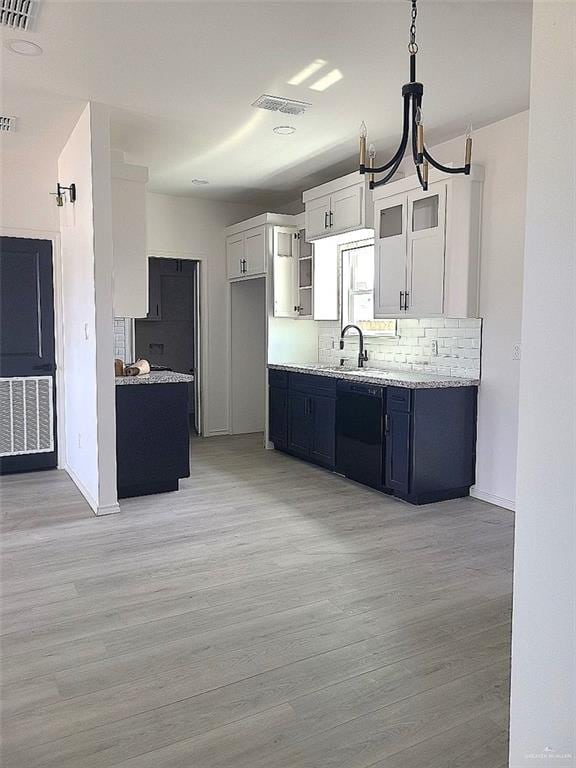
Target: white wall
543	708
86	241
185	225
27	178
502	148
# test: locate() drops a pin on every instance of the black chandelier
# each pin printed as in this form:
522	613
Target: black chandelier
412	128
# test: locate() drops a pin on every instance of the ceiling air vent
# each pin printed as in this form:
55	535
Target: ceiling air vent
279	104
7	124
16	14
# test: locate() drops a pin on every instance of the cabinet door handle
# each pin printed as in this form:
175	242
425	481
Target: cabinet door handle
401	299
325	219
331	219
406	295
386	424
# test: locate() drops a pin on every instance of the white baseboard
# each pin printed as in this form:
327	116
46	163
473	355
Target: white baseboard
98	509
492	498
108	509
216	432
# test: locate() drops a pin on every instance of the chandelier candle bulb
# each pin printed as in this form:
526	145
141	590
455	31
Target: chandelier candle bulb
372	158
420	139
468	156
363	134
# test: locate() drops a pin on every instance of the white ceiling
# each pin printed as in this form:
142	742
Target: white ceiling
181	76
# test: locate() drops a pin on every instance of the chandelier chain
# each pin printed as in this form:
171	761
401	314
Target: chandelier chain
413	45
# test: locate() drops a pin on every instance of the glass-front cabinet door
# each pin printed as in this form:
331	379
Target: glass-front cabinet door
390	225
426	245
305	276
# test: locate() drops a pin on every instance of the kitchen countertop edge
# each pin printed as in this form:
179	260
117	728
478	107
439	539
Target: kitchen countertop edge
155	377
409	380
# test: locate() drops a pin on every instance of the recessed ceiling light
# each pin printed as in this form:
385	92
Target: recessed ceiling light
307	72
200	181
284	130
325	82
23	47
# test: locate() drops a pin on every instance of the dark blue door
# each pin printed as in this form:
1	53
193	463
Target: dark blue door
398	451
323	432
278	416
299	423
27	403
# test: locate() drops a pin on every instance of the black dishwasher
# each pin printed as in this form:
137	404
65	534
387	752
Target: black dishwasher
360	432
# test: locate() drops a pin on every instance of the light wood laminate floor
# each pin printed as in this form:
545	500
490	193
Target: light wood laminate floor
268	615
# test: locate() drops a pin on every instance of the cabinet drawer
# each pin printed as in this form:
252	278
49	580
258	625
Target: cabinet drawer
399	399
278	379
307	382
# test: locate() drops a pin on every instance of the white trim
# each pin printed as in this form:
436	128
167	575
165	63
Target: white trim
492	498
108	509
263	219
204	315
104	509
216	432
54	237
353	179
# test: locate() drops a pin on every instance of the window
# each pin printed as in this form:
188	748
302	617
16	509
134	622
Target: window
357	261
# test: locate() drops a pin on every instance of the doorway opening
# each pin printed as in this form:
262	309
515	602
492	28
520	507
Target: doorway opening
169	336
27	356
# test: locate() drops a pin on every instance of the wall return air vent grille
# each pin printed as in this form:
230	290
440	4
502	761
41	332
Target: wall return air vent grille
7	124
26	415
280	104
16	14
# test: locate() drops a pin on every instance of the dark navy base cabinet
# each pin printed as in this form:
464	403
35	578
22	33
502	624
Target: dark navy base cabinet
302	416
152	438
430	443
427	439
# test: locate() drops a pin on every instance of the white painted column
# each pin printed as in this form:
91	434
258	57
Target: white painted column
543	709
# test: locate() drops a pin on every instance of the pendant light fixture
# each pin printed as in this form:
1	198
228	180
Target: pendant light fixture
413	129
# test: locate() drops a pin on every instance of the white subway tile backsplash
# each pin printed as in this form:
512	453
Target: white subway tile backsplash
459	346
122	336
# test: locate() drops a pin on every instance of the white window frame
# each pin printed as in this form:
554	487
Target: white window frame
347	293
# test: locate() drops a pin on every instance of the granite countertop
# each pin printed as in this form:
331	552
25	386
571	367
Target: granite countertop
156	377
409	379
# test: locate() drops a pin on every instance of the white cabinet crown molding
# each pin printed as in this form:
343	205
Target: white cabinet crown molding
273	219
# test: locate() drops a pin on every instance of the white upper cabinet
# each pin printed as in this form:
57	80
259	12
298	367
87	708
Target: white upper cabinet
250	245
339	206
255	252
427	247
130	275
390	256
293	274
426	232
235	255
285	272
246	254
318	217
347	209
